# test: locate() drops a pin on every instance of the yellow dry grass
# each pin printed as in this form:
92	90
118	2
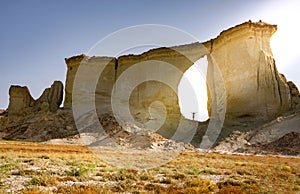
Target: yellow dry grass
41	168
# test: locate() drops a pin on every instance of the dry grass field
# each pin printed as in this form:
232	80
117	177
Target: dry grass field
33	168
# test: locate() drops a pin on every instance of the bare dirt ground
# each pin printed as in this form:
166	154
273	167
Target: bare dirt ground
41	168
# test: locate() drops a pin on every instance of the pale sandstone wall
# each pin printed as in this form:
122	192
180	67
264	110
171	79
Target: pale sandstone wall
72	65
243	65
154	65
85	70
143	95
253	85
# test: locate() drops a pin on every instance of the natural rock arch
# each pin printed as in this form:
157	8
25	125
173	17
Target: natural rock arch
240	61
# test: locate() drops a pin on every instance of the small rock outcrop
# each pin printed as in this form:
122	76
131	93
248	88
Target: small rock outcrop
51	97
36	120
22	103
19	101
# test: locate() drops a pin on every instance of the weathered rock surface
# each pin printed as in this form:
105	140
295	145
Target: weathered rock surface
244	58
137	90
36	120
22	103
40	126
19	101
51	97
295	95
240	64
73	63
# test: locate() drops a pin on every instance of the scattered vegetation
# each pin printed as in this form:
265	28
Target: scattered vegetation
32	168
286	168
200	185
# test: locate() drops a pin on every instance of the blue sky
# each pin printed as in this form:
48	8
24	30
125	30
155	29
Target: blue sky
36	35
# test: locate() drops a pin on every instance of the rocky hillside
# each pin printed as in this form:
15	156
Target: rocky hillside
280	136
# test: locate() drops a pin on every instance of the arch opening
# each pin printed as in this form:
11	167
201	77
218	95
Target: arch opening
192	92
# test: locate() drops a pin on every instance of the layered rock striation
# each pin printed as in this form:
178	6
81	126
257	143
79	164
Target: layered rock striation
242	78
244	57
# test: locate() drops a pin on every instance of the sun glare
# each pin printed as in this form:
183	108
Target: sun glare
285	41
192	92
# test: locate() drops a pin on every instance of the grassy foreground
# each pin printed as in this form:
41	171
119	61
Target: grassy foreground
40	168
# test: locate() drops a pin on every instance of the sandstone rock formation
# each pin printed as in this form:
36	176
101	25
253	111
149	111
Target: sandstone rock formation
243	84
22	103
244	57
36	120
73	64
19	100
137	90
241	65
51	97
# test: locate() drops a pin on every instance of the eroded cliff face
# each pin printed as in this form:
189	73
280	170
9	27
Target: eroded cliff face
144	86
241	61
242	78
255	90
73	64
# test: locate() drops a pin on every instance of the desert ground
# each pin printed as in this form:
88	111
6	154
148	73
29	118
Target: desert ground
27	167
